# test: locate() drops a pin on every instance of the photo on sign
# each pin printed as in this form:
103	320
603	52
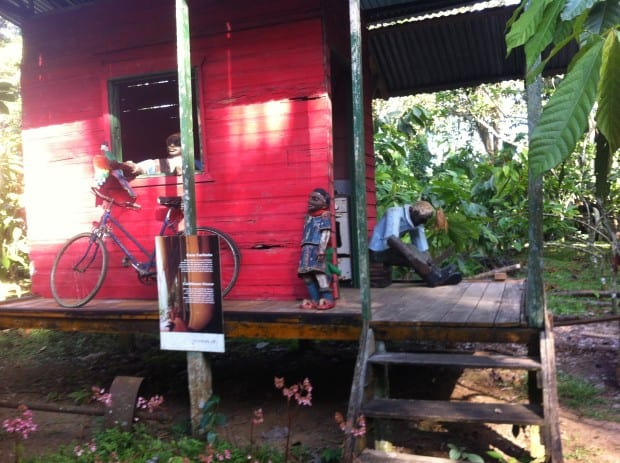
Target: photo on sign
189	292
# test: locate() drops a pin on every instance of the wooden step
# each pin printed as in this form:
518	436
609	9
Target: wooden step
453	412
378	456
457	360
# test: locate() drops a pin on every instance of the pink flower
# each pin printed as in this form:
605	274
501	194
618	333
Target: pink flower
258	416
100	395
357	430
151	405
22	425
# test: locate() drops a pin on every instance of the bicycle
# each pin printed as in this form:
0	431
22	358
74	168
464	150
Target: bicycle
81	265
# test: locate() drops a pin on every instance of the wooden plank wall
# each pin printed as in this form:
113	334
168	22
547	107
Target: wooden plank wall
266	121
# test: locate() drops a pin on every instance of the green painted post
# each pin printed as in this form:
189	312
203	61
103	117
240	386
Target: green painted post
535	286
359	218
359	158
199	375
185	114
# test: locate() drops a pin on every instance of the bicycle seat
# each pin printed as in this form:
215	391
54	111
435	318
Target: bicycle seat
171	201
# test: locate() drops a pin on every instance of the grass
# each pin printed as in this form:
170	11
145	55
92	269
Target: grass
584	397
576	267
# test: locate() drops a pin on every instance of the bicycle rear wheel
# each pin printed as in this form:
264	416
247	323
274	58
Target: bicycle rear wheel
79	270
230	257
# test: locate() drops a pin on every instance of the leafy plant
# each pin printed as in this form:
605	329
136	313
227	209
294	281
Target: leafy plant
592	75
13	245
211	419
459	453
501	458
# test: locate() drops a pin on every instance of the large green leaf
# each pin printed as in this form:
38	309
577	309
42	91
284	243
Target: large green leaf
565	116
560	41
544	34
603	16
574	8
526	25
608	114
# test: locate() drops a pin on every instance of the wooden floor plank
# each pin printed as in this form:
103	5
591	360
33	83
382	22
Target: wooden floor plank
406	308
487	308
466	304
444	301
511	309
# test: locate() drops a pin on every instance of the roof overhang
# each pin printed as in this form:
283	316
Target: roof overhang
415	46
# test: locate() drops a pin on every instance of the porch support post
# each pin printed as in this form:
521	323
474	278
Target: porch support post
200	381
535	288
359	157
185	114
360	220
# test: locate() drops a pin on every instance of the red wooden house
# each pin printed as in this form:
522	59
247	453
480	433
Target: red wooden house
276	106
272	122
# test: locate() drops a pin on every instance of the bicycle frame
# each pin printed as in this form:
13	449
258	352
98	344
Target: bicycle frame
104	229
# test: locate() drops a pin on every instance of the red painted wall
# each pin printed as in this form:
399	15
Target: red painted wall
266	119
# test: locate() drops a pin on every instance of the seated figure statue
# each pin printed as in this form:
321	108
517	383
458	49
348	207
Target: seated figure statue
386	246
171	164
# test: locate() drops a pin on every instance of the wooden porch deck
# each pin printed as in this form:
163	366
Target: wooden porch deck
484	311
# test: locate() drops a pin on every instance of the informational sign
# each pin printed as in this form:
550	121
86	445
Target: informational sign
189	292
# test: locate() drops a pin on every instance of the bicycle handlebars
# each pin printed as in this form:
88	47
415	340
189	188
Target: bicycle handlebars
109	199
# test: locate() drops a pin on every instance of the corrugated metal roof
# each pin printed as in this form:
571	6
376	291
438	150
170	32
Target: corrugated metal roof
463	47
415	45
434	54
17	11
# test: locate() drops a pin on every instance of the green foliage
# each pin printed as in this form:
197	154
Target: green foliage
501	458
608	116
80	397
565	117
8	92
13	245
593	74
331	455
459	453
141	446
584	397
14	249
484	193
402	154
211	419
481	187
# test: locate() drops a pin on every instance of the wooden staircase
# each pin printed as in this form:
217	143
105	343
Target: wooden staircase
381	411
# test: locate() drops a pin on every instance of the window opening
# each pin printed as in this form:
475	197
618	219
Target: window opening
144	111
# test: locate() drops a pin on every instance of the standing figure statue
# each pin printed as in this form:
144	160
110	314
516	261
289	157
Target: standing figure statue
386	246
314	244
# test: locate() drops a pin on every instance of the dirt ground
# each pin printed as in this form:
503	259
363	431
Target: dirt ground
243	379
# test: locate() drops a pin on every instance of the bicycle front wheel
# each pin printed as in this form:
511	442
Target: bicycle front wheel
79	270
230	257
